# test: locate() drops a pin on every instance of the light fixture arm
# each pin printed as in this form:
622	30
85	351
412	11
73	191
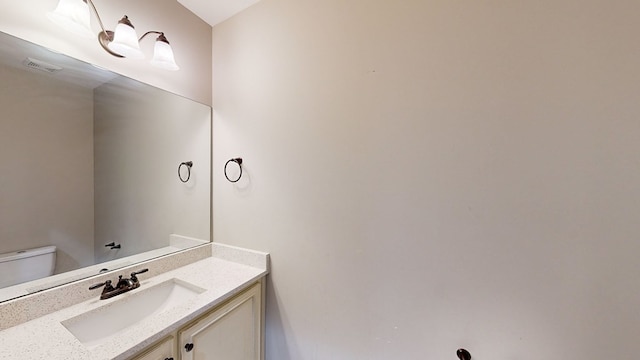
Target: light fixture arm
161	37
105	36
95	11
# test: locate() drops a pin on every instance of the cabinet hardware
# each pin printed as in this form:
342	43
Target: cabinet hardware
463	354
188	347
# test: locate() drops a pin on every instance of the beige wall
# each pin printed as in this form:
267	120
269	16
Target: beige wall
141	135
435	174
46	152
190	39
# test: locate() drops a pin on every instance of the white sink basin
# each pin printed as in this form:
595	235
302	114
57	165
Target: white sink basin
98	325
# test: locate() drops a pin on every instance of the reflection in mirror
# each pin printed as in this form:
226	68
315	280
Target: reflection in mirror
90	170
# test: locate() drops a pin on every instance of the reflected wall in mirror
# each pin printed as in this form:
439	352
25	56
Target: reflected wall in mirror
90	170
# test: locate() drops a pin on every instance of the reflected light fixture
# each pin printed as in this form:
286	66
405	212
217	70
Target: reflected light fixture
75	15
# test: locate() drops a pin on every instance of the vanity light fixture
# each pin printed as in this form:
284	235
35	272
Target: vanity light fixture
75	15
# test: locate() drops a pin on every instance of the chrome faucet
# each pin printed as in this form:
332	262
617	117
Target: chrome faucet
123	285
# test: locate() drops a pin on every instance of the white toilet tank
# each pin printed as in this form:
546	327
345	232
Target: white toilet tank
26	265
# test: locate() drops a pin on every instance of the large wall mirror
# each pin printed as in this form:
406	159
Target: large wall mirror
91	176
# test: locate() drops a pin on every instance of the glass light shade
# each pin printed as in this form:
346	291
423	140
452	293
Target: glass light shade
74	16
125	42
163	56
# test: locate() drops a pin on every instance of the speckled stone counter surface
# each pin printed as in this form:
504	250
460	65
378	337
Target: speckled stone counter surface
20	310
226	273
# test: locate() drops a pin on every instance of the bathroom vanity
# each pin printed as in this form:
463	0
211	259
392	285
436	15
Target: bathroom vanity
182	310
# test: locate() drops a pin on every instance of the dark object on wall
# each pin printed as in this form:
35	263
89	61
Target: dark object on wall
189	165
237	161
463	354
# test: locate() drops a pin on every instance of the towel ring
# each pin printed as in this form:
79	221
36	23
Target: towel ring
188	164
237	161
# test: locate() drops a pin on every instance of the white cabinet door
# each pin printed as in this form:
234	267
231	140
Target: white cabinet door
165	350
231	332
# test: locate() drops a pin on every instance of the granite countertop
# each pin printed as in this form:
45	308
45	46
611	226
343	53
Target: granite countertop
228	272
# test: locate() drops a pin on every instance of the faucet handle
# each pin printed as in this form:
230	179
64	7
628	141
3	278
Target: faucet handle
106	284
139	272
135	273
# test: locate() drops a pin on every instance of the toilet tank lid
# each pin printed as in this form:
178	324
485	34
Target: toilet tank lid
21	254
